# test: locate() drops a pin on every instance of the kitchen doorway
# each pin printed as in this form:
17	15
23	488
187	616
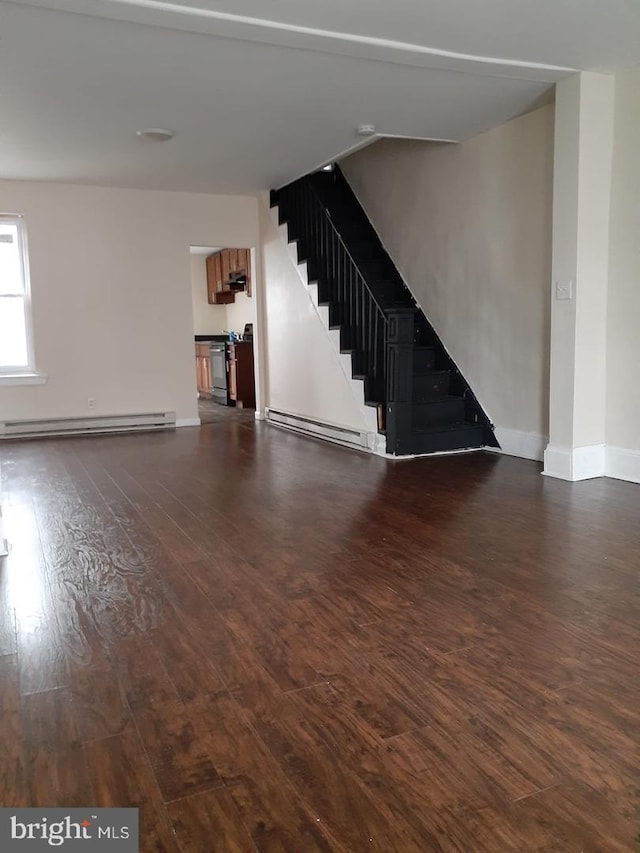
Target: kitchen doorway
224	319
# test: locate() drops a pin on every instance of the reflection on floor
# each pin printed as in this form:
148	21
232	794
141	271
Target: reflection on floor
211	412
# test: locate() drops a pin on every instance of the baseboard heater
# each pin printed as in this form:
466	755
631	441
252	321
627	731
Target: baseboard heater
88	426
319	429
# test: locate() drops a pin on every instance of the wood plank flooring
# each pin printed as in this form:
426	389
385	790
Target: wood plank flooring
271	644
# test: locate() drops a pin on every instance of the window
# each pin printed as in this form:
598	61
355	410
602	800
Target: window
16	353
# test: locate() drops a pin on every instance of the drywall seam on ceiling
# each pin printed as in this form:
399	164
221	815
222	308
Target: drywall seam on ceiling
228	25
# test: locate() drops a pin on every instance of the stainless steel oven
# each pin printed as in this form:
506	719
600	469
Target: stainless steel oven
218	352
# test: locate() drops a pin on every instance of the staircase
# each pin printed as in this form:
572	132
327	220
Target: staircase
423	403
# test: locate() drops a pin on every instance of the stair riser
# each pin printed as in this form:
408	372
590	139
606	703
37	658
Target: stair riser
376	269
352	231
349	339
363	251
430	387
438	413
441	441
423	360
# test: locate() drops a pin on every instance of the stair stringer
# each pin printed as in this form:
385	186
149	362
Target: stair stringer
376	443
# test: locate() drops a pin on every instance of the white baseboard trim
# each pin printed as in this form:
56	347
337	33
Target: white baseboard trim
526	445
622	464
574	463
187	422
408	457
260	415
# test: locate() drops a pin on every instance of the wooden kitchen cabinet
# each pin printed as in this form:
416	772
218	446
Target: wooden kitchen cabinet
232	375
226	268
215	281
216	292
243	264
203	370
242	384
222	267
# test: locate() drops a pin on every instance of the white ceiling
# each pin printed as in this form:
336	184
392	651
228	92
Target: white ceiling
261	91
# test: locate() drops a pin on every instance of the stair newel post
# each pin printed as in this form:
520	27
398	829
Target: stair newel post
399	359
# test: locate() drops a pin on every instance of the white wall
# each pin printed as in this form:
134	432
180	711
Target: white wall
240	312
304	375
207	319
623	310
469	228
582	181
110	275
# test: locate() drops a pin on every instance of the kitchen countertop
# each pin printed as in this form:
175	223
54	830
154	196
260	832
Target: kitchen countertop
203	339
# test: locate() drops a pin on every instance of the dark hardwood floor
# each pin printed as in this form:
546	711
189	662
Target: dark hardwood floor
267	643
211	412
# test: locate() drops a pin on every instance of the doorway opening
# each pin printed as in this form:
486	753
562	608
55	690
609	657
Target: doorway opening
224	319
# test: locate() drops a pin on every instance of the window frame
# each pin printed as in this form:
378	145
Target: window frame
13	372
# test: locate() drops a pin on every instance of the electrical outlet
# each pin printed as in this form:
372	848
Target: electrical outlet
91	402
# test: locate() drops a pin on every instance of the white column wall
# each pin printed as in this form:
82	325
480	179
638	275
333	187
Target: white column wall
582	187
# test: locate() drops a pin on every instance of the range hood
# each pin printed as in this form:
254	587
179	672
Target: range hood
238	282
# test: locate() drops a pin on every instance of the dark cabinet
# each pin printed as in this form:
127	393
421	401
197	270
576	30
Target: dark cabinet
242	385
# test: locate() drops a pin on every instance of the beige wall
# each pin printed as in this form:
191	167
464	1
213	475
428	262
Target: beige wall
110	276
623	309
304	376
469	227
240	312
583	154
207	319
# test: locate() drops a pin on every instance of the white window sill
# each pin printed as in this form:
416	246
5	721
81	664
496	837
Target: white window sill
23	378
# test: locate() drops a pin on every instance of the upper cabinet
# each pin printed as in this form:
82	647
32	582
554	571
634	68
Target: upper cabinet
215	280
228	272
